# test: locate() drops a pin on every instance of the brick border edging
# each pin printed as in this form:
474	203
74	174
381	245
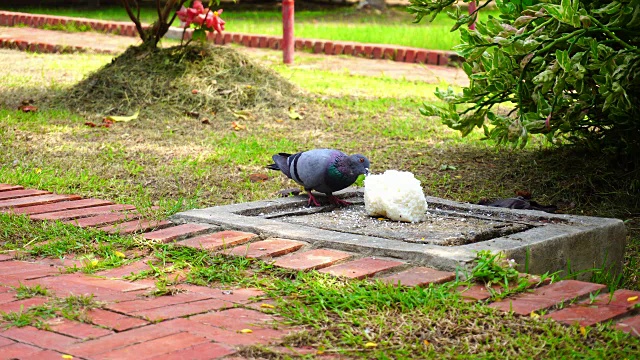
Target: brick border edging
327	47
43	47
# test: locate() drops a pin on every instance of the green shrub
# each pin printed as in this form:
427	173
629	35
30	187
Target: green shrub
567	69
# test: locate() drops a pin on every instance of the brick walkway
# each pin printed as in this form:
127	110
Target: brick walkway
24	32
48	41
327	47
205	322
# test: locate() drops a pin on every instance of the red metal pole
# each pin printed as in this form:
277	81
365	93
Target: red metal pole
288	41
472	8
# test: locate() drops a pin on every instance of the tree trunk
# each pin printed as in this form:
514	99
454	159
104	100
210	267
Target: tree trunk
152	35
374	4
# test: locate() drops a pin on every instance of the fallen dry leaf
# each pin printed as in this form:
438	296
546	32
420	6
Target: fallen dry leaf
107	122
534	315
258	177
524	193
195	91
243	115
27	108
206	121
237	126
632	298
246	331
123	118
370	345
193	114
267	306
293	114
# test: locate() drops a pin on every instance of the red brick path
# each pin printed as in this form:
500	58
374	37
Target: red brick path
203	322
127	29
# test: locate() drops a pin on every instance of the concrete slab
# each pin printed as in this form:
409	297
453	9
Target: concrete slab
539	242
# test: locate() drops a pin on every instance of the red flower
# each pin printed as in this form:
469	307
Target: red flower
182	15
192	12
213	21
197	5
187	15
201	16
199	19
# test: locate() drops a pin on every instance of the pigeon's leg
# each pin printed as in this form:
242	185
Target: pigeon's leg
312	199
335	200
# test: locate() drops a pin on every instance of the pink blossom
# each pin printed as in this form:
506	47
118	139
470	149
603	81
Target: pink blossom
199	19
197	5
213	21
201	16
189	15
191	12
182	15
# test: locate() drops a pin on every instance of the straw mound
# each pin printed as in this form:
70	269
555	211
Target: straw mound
179	80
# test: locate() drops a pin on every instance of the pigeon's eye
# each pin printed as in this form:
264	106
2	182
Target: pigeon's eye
361	160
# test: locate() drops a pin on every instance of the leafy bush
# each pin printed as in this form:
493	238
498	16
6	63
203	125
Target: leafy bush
567	69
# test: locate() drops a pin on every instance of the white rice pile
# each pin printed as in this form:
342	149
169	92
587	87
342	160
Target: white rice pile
396	195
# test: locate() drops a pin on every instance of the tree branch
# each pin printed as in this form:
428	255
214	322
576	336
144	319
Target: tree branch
136	20
614	36
159	11
481	6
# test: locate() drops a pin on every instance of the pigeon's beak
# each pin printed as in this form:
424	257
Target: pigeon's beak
366	171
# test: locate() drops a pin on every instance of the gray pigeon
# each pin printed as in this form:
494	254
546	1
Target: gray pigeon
323	170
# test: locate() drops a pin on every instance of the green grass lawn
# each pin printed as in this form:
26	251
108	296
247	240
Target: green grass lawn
176	162
343	23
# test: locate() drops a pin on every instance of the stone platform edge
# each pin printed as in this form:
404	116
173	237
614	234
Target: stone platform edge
554	243
327	47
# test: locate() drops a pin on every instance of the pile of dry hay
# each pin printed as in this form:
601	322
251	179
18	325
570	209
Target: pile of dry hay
170	82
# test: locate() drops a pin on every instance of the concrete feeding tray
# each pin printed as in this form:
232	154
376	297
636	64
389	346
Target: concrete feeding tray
448	239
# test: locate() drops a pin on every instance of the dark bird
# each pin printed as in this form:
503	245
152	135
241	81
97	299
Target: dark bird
519	203
323	170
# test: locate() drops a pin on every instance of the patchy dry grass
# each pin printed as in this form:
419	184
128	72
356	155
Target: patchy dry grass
175	161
